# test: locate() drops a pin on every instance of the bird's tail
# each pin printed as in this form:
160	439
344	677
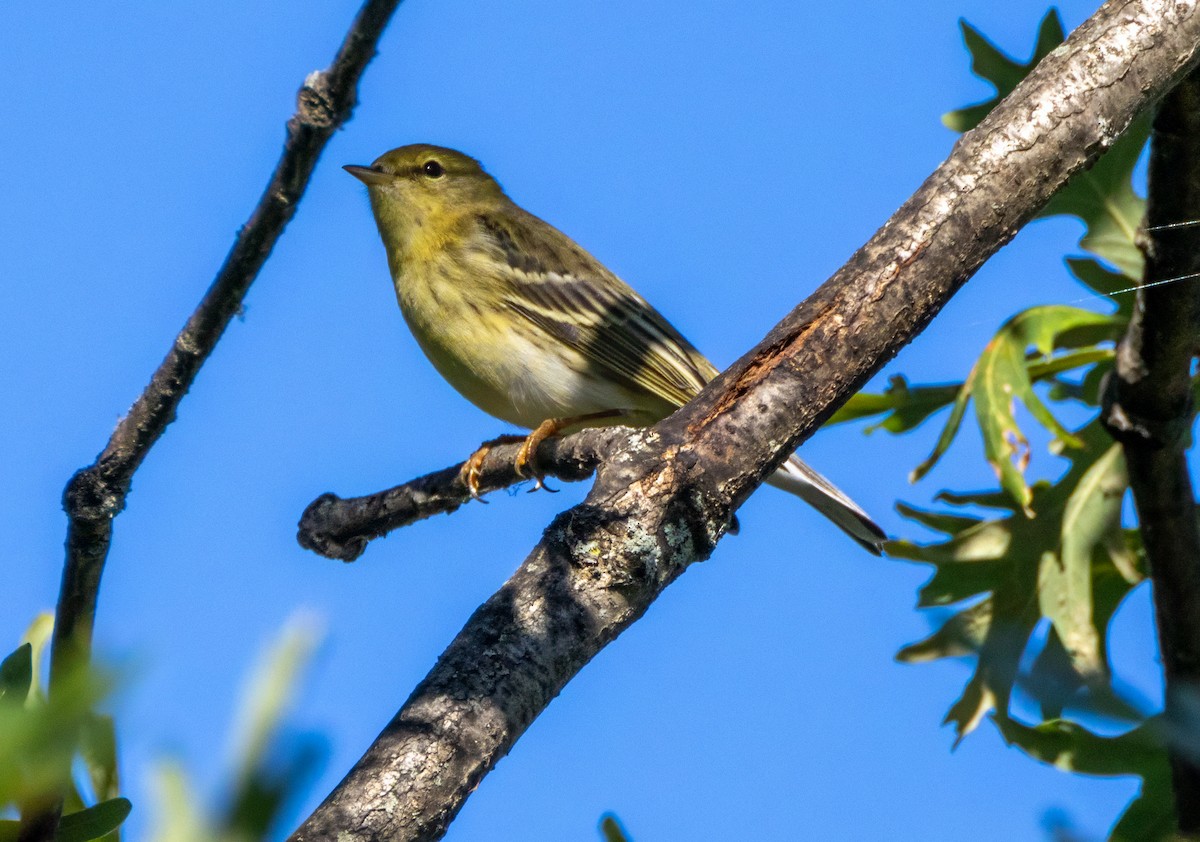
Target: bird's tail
796	477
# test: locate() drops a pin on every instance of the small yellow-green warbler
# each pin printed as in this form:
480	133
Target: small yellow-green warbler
530	327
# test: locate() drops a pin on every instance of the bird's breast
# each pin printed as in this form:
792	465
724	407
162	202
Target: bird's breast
495	358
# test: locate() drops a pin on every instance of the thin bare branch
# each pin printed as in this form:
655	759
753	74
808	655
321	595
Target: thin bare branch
1149	409
96	494
667	494
341	528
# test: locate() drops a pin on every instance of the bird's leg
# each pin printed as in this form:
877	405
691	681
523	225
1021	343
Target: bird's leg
473	467
526	461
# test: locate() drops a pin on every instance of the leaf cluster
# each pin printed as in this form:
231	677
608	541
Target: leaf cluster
46	740
1027	576
41	737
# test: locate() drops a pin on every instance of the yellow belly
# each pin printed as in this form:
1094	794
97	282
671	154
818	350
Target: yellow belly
504	369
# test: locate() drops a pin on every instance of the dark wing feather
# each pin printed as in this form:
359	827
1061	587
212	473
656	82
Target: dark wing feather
566	292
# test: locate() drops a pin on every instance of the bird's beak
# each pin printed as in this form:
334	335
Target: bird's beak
367	175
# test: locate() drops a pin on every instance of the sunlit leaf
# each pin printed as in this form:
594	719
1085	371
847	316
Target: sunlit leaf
39	739
37	635
1068	362
268	766
1092	516
949	431
1005	373
178	819
1005	73
904	408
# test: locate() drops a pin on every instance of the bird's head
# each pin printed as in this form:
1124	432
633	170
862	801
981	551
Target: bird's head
419	185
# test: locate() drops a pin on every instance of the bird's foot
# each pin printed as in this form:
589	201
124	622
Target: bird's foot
472	469
526	462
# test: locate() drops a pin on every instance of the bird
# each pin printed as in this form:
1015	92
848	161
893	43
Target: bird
530	327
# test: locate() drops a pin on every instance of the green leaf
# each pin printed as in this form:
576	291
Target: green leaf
1116	287
268	769
1001	561
1067	362
1005	73
98	746
937	521
1091	518
985	499
1001	376
1005	373
953	423
963	634
904	408
1151	816
1103	198
94	822
612	830
16	675
1071	747
178	817
37	635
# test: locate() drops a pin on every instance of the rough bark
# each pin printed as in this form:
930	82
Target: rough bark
341	528
1149	409
664	496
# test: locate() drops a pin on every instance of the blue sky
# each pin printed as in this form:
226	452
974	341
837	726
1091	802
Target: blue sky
724	159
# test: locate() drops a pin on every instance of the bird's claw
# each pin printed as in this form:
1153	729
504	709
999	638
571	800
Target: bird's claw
525	463
471	472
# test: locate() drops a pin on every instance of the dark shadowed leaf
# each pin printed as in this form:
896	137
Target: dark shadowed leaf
94	822
612	829
1005	73
963	634
16	675
1103	198
1116	287
1073	748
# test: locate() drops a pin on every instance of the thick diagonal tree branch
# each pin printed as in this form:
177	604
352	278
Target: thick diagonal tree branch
663	498
1149	409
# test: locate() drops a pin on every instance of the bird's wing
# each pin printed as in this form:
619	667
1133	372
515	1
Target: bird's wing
566	292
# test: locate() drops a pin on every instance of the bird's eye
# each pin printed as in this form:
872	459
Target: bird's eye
433	169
